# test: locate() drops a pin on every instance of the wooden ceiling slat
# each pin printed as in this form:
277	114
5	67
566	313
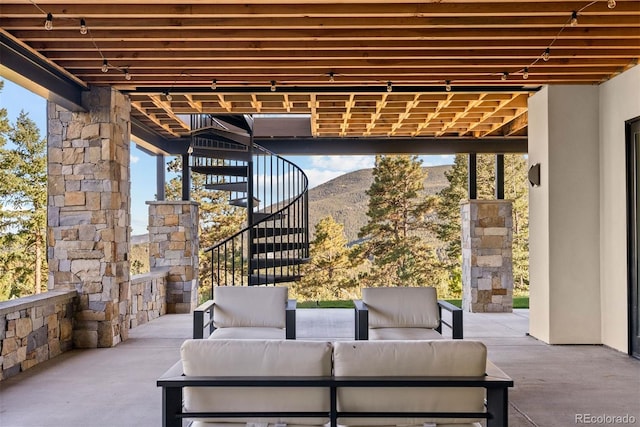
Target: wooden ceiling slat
178	47
214	34
118	23
151	57
214	9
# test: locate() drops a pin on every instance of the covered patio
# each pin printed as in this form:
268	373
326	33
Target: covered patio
363	77
116	386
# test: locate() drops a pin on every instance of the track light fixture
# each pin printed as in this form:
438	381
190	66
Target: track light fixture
273	85
105	65
447	85
574	19
525	73
83	27
48	23
214	84
389	86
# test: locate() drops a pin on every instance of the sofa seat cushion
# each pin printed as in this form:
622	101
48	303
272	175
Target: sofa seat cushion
249	306
382	334
248	333
247	358
409	358
237	424
218	424
402	307
400	425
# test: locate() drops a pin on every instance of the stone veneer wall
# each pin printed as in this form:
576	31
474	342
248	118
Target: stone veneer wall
487	263
148	297
40	327
88	221
34	329
174	243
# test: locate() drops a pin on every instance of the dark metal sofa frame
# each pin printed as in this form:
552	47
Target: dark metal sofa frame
206	310
496	405
362	319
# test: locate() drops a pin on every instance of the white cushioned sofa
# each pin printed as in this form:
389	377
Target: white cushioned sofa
257	358
246	312
404	313
269	383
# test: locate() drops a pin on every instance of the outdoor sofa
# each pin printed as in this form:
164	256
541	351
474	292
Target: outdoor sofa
404	313
246	312
287	383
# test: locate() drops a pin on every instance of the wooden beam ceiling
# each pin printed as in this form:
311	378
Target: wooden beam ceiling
180	47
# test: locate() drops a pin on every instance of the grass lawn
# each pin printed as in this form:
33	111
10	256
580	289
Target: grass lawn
326	304
518	302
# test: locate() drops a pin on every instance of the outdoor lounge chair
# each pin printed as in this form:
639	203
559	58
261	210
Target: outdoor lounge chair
246	312
403	314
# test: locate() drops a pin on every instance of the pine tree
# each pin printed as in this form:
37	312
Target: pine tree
448	226
327	276
218	219
395	232
23	207
516	189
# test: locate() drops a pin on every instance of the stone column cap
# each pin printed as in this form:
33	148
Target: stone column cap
172	202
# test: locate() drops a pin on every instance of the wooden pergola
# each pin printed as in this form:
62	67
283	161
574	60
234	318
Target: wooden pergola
366	69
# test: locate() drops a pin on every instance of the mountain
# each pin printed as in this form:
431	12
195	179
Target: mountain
344	198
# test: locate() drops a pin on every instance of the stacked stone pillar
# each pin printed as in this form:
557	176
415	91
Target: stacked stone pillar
174	244
487	263
88	213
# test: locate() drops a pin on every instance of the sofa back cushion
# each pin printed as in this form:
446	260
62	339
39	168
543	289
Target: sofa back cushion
258	306
249	358
402	307
409	358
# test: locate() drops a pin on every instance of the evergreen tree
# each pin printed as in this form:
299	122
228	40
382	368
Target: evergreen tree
395	232
448	226
218	219
23	207
327	276
516	188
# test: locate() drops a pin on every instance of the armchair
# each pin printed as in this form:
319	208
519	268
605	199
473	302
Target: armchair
403	314
246	312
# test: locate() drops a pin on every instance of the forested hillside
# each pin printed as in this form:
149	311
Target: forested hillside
344	198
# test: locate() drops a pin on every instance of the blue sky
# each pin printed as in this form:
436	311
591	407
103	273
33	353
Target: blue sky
319	169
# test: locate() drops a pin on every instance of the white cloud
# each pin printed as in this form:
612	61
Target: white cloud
443	159
134	159
139	224
343	163
320	176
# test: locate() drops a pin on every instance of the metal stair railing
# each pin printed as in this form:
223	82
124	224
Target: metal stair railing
273	246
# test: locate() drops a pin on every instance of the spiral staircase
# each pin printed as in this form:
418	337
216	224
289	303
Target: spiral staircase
274	242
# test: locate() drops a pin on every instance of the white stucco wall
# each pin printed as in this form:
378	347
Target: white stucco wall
619	102
539	218
564	215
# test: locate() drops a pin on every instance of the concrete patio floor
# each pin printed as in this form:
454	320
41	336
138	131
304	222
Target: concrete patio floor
116	386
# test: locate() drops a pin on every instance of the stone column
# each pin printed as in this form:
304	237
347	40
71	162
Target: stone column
487	265
89	213
174	243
